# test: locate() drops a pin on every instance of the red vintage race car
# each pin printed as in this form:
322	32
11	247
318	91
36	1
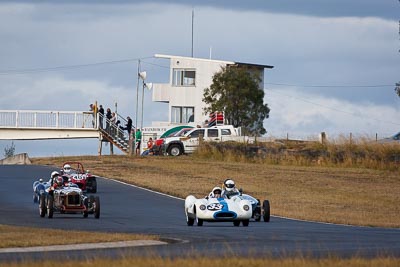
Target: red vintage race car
76	173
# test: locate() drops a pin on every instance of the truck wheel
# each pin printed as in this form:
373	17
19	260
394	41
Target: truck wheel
266	211
174	150
245	222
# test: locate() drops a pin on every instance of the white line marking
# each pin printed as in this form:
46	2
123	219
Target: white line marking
119	244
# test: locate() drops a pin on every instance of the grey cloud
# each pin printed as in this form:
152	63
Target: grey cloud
388	9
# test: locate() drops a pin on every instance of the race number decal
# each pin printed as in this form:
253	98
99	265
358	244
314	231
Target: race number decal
215	206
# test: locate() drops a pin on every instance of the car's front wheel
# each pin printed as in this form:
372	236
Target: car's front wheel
50	206
189	221
42	205
86	211
174	150
97	207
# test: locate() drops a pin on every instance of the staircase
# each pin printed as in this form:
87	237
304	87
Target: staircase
114	134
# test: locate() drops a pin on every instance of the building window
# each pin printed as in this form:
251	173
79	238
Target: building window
182	114
184	77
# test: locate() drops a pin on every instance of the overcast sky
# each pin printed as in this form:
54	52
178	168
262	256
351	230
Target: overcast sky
336	61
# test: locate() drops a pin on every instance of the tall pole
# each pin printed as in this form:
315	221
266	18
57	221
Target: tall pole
141	122
137	96
192	28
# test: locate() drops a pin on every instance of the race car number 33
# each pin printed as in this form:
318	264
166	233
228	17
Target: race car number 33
215	206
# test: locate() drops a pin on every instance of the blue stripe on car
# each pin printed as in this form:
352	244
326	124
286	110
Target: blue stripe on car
225	209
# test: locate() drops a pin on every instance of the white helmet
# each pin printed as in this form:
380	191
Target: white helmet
229	185
55	173
216	190
67	168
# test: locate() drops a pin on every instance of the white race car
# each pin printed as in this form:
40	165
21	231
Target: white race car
236	210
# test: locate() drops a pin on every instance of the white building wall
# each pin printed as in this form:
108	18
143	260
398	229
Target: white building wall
192	96
188	96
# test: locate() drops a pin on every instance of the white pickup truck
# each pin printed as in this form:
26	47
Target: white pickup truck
178	145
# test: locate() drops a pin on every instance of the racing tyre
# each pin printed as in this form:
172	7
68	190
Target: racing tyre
96	207
246	222
50	206
257	211
86	212
174	150
189	221
266	211
236	223
94	186
199	222
42	206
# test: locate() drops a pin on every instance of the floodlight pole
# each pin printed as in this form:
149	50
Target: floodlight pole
137	96
141	122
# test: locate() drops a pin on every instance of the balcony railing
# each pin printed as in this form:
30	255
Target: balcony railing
47	119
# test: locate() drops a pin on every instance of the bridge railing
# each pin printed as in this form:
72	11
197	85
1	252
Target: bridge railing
47	119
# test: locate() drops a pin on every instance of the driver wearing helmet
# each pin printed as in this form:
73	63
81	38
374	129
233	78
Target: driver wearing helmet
67	168
53	175
229	188
59	182
215	193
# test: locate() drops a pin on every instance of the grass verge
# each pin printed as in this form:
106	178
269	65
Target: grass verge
216	262
15	236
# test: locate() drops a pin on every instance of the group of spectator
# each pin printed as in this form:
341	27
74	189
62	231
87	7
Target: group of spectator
112	124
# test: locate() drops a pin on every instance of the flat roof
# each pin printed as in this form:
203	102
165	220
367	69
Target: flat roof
255	65
214	60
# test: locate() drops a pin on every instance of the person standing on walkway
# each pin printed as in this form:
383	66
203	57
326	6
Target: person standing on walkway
128	126
101	116
108	120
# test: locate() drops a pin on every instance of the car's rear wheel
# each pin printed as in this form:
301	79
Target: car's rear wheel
245	222
174	150
236	223
50	206
42	205
266	211
257	211
97	207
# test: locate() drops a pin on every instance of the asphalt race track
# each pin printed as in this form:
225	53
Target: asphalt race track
125	208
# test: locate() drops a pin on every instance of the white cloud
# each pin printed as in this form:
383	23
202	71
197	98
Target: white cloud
305	115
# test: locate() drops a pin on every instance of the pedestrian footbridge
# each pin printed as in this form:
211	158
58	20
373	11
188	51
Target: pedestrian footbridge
42	125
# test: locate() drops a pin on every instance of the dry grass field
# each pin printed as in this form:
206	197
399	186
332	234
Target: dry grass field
344	195
14	236
215	262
